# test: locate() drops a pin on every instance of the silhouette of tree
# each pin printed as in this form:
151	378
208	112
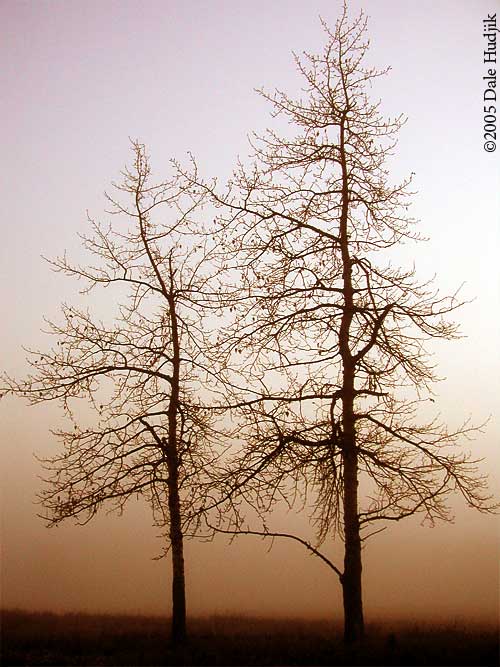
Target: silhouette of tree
328	345
143	372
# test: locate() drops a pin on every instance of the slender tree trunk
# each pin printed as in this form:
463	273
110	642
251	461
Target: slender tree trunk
351	579
171	452
179	632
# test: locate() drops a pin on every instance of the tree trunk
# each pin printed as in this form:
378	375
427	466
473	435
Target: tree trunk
178	631
174	504
351	580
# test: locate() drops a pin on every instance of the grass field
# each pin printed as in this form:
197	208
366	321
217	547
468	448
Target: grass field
30	638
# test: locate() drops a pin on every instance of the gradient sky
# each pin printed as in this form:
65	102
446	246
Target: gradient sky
78	79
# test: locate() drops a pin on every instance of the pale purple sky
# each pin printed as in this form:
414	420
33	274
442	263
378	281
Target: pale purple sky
78	79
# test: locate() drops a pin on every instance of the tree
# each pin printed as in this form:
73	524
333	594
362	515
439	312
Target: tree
329	341
143	372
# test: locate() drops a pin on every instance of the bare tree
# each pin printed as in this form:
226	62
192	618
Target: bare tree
329	343
142	370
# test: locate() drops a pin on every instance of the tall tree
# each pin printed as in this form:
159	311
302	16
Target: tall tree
142	369
329	339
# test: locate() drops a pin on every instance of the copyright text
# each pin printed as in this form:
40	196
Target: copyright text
490	32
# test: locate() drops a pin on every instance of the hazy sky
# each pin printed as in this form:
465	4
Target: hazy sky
78	79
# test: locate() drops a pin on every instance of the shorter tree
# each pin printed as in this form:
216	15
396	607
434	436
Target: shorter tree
143	374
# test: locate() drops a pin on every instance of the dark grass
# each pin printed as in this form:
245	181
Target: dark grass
31	638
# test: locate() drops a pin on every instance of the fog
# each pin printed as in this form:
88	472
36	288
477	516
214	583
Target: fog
82	78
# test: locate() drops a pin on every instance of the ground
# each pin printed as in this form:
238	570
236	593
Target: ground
30	638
